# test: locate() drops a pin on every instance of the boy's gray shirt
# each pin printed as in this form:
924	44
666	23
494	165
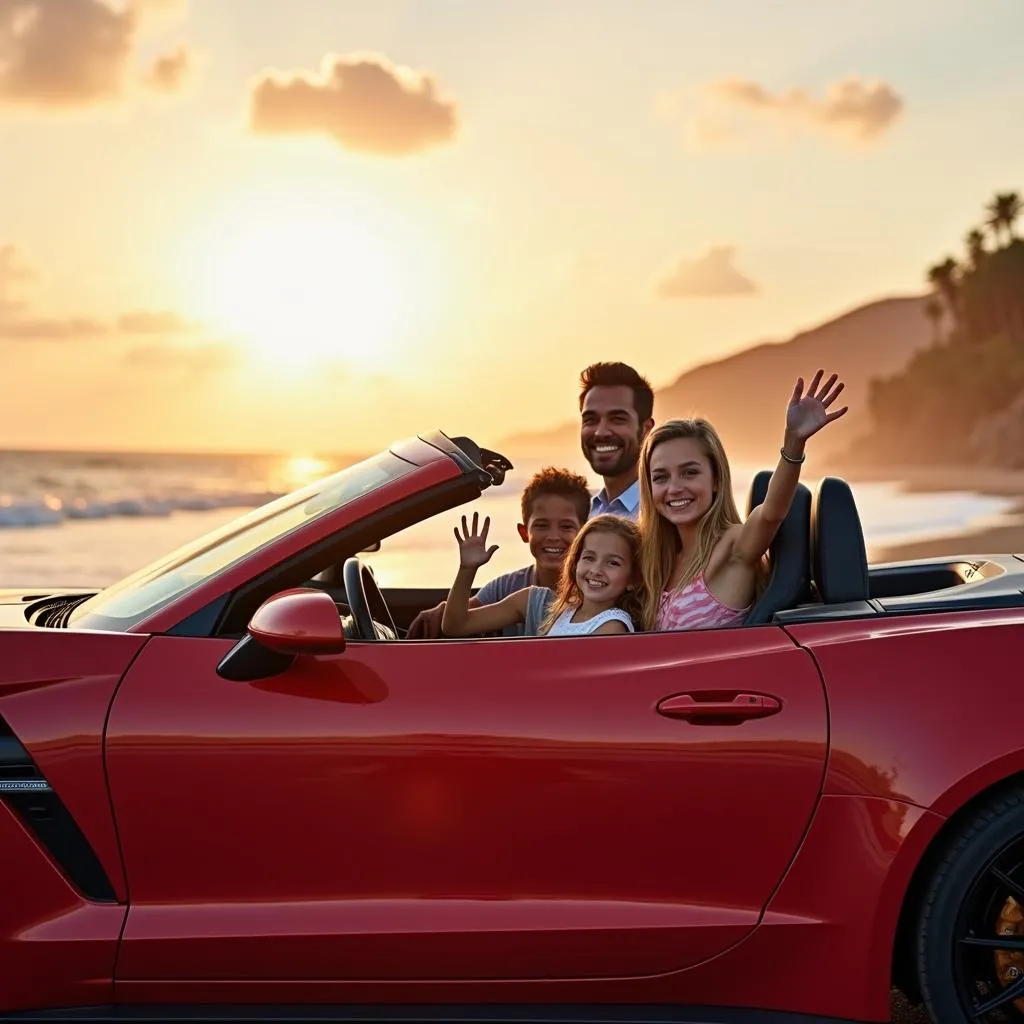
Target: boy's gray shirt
536	606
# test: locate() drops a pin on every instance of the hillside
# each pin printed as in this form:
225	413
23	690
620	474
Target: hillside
745	394
961	400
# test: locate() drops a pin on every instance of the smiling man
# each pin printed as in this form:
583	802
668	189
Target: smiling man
616	409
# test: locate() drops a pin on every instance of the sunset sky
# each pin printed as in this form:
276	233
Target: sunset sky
322	224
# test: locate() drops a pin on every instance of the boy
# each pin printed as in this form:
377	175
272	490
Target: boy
555	504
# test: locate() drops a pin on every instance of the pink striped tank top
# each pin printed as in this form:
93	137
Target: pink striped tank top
695	607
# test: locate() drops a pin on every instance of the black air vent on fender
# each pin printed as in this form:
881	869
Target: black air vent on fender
25	790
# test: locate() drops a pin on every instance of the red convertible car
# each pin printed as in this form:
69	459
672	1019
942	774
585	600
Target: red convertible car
230	786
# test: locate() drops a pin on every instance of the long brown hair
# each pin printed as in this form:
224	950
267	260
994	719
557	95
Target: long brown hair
660	543
632	601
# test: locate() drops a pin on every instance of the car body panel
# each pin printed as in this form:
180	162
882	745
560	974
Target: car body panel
55	691
442	809
56	948
916	704
825	944
812	953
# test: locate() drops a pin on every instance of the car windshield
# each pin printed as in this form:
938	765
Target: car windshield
143	592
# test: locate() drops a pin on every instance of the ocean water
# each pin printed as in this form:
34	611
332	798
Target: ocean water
87	519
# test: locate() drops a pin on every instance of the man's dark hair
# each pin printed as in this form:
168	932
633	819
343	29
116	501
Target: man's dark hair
561	482
614	375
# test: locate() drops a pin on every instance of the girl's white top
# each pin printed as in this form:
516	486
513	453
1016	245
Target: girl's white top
564	626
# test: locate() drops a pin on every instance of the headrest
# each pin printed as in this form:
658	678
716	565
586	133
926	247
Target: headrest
758	489
837	544
789	557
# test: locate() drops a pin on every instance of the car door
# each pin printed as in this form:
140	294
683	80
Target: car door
460	809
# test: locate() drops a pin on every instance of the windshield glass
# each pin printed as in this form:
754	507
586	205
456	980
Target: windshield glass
154	586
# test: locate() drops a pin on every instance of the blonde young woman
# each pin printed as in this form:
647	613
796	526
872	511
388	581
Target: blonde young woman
701	563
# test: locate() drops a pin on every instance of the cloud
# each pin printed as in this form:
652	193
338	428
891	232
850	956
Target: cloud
710	276
362	101
151	8
62	54
35	328
203	358
852	109
170	71
159	322
20	320
708	133
21	324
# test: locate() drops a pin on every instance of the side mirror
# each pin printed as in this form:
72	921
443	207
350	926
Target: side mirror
298	621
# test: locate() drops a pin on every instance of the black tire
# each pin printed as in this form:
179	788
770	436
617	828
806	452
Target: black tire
982	865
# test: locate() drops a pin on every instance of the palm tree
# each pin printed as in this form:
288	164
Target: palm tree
943	277
1003	211
935	311
976	247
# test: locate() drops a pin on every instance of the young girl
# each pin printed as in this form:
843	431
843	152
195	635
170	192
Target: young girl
702	565
599	591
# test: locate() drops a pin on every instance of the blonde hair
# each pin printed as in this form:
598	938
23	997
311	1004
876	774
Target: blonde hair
568	595
660	543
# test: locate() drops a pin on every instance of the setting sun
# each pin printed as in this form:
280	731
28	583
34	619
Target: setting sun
298	284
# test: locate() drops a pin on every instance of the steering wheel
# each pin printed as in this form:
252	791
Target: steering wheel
362	594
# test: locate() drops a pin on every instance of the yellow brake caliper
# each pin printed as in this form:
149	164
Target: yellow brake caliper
1010	965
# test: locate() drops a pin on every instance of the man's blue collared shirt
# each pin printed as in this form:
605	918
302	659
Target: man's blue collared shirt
626	504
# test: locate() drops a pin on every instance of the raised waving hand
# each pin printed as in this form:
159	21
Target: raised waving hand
473	549
808	413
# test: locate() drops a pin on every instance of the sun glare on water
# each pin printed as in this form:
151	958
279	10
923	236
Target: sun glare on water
300	470
298	286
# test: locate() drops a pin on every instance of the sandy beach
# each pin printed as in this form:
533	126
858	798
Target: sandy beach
1003	533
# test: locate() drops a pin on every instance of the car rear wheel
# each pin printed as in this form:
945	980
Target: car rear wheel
970	941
